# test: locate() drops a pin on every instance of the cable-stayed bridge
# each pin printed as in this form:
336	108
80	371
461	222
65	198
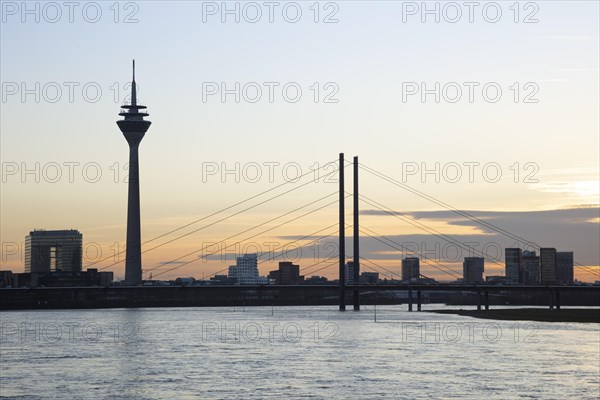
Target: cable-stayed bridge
338	229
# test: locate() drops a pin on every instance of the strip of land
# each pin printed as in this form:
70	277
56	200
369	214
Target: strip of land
585	315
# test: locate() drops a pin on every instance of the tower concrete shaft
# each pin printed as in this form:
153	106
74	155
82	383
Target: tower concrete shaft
134	128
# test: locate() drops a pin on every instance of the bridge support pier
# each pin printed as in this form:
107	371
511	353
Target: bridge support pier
355	236
410	301
479	300
356	299
557	298
486	297
418	300
342	236
551	300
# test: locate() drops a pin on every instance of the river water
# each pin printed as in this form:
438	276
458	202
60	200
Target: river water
292	352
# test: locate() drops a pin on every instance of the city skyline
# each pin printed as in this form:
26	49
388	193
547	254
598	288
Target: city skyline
516	269
194	135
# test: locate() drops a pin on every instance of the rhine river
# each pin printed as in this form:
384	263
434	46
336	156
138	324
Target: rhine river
292	352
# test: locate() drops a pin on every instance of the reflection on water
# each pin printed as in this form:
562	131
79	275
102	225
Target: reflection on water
291	352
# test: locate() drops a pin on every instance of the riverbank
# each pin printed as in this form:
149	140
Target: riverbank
584	315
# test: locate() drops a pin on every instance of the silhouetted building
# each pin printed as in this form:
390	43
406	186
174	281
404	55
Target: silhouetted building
222	280
410	268
531	268
473	270
185	281
495	280
104	278
369	278
564	267
91	277
548	266
26	279
49	251
287	274
316	280
6	278
512	263
245	271
423	280
350	273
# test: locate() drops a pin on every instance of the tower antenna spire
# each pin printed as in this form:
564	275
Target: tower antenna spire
133	88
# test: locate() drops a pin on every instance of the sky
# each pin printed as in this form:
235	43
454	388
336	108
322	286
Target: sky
492	110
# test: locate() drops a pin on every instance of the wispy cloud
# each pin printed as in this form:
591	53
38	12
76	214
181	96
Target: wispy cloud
579	188
573	228
566	37
574	70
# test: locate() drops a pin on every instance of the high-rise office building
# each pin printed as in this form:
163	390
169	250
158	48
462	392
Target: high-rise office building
564	267
512	262
47	251
350	273
245	271
287	274
473	270
548	266
410	268
531	268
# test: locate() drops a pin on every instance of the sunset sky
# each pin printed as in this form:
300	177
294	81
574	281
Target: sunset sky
524	159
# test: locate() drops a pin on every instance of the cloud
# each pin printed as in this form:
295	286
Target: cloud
567	37
580	189
566	229
575	70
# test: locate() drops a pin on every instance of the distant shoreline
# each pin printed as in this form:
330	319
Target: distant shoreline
582	315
